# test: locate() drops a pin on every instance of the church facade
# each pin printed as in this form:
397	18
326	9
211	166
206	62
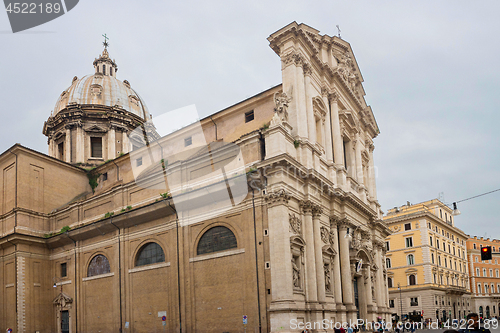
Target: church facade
90	243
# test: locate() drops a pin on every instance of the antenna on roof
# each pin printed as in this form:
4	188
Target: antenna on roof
338	28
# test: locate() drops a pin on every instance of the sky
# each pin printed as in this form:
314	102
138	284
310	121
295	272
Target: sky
431	74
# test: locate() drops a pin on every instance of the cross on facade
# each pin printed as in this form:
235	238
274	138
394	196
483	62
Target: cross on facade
105	43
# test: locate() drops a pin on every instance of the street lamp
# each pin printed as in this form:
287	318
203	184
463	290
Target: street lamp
455	210
400	304
56	279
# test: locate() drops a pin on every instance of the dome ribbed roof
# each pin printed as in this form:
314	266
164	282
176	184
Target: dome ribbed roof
103	88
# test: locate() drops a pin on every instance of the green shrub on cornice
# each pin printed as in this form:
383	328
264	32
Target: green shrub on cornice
93	176
296	143
109	214
165	195
64	229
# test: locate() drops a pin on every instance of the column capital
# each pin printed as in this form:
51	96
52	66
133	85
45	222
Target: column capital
333	97
279	197
344	223
309	207
307	69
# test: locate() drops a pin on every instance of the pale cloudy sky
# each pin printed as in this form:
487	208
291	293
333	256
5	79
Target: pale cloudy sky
431	71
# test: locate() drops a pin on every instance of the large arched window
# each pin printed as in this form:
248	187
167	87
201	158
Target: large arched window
150	253
412	280
98	265
216	239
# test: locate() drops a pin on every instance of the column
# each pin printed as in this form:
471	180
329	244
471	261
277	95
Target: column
338	143
281	259
311	120
80	146
373	186
378	279
289	78
328	128
125	143
359	163
345	264
318	250
362	296
337	287
51	147
67	145
301	101
311	284
111	143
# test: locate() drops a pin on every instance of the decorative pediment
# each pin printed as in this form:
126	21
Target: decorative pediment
96	129
319	108
329	251
349	121
62	300
297	241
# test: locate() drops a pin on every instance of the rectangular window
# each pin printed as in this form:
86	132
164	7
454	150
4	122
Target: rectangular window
387	247
432	257
60	149
188	141
439	260
249	116
429	225
391	303
64	272
105	176
430	240
96	146
408	226
437	243
414	301
409	242
138	162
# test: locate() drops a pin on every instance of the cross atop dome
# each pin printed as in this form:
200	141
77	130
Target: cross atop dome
104	64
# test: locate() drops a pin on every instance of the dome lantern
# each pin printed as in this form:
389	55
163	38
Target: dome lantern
105	65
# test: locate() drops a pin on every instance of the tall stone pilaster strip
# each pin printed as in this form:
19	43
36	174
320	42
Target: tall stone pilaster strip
111	143
368	279
311	121
337	287
301	101
67	145
328	123
373	184
338	144
318	251
380	277
289	73
345	265
80	145
311	282
21	295
279	246
359	163
125	143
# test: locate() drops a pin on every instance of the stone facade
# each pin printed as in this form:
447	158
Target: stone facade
93	250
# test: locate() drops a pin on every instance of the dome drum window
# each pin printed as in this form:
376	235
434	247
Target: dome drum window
216	239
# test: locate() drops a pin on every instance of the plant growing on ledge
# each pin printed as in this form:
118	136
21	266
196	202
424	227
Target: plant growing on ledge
265	126
109	214
64	229
296	143
165	195
129	207
163	164
93	176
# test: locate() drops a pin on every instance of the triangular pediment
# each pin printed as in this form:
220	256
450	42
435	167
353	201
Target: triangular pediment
62	300
96	128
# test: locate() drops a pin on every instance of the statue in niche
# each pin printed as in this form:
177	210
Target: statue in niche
328	278
296	274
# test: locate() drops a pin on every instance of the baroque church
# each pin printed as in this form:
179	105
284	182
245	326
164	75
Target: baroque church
119	228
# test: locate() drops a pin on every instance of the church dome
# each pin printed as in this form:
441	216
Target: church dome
103	88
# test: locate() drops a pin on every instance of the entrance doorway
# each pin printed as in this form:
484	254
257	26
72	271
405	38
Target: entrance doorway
65	321
356	301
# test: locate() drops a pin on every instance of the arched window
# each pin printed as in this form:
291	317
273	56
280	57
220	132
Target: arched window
98	265
388	262
216	239
412	280
150	253
389	282
104	69
411	259
480	311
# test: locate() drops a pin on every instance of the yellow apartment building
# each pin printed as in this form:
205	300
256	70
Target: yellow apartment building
426	263
484	277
